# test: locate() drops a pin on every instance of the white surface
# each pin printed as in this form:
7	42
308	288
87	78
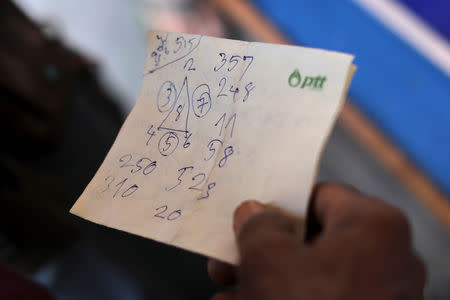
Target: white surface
273	145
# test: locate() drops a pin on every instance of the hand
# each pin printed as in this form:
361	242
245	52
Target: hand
358	247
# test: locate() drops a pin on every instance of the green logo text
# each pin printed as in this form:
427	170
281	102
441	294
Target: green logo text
295	80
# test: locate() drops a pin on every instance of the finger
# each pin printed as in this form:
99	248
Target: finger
265	231
244	212
228	295
419	274
333	203
222	273
337	206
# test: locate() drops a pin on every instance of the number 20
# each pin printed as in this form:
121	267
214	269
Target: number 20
172	216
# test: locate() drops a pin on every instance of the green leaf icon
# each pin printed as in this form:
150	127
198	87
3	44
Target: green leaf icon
295	78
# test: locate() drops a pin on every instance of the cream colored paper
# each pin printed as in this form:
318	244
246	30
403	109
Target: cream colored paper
217	122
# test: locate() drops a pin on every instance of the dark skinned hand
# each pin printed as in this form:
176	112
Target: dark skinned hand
357	247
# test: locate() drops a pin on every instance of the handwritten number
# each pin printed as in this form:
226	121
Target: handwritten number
149	168
133	171
222	84
233	60
222	118
186	142
138	165
109	183
167	96
179	111
248	88
228	151
179	41
172	216
210	186
191	43
179	46
195	186
163	210
120	185
129	191
168	143
201	100
151	133
235	91
182	170
223	61
212	148
250	58
190	61
233	118
125	161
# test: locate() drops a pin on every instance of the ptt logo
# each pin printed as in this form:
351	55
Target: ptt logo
296	80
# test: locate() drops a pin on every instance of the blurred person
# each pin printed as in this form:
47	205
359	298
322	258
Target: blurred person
51	107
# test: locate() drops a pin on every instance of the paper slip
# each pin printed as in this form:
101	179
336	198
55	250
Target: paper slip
217	122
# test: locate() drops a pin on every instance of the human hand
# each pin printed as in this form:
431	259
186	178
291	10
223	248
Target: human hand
357	247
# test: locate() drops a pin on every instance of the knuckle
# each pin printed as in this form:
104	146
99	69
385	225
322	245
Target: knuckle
334	189
327	188
265	249
395	218
268	223
339	198
390	221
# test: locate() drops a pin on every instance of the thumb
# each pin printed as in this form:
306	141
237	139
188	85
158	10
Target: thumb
245	212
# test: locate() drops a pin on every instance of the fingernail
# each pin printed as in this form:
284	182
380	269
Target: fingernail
244	212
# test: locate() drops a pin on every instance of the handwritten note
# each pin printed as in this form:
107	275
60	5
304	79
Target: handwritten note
217	122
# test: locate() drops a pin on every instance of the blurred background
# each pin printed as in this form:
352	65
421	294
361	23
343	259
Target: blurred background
72	70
